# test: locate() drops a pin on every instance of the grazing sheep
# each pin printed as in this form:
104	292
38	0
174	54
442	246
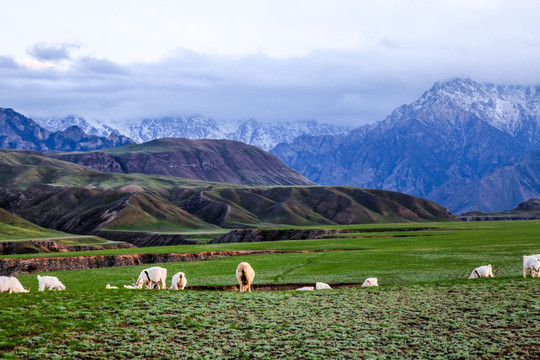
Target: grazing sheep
245	275
152	277
531	263
49	282
108	286
179	281
481	272
11	284
322	286
306	288
370	282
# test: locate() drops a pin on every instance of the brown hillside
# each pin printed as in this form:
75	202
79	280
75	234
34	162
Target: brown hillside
209	160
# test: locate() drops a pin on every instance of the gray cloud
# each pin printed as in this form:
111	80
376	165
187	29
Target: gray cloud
46	52
102	66
7	62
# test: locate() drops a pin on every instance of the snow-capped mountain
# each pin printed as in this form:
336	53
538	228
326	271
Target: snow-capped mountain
439	147
510	109
267	136
264	135
514	110
59	124
19	132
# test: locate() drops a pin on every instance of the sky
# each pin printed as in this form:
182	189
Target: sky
345	62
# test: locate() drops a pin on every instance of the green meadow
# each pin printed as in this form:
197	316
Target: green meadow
424	308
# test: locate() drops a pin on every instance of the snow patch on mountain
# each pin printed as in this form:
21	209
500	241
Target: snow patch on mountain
503	107
90	127
264	135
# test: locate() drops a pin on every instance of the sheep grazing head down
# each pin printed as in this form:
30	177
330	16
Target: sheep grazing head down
12	285
245	275
531	263
49	282
179	281
482	272
152	278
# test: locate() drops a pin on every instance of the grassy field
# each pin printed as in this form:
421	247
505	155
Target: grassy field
425	307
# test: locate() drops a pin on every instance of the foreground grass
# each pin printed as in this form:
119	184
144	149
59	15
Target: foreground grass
483	319
425	309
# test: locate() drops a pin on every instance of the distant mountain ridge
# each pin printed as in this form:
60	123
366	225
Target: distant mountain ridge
19	132
443	147
252	132
528	210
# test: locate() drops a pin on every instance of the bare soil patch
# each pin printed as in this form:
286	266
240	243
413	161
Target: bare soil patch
273	287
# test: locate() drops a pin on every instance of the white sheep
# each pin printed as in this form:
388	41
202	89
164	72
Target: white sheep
482	272
49	282
370	282
245	275
11	284
179	281
531	263
322	286
152	277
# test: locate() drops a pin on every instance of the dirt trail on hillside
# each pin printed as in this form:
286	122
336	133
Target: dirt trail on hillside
16	266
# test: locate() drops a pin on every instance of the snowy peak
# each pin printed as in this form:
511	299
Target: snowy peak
195	127
507	108
88	126
267	136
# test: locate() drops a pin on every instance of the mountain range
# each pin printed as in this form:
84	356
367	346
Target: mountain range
465	145
20	132
252	132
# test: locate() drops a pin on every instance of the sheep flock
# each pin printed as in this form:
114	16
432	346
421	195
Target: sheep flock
155	278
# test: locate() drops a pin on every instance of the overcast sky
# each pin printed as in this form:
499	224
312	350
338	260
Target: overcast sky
339	61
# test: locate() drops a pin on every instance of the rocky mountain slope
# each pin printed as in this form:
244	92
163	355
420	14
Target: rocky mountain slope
450	146
253	132
75	199
209	160
20	132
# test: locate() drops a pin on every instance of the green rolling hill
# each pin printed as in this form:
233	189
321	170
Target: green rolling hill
67	197
13	227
